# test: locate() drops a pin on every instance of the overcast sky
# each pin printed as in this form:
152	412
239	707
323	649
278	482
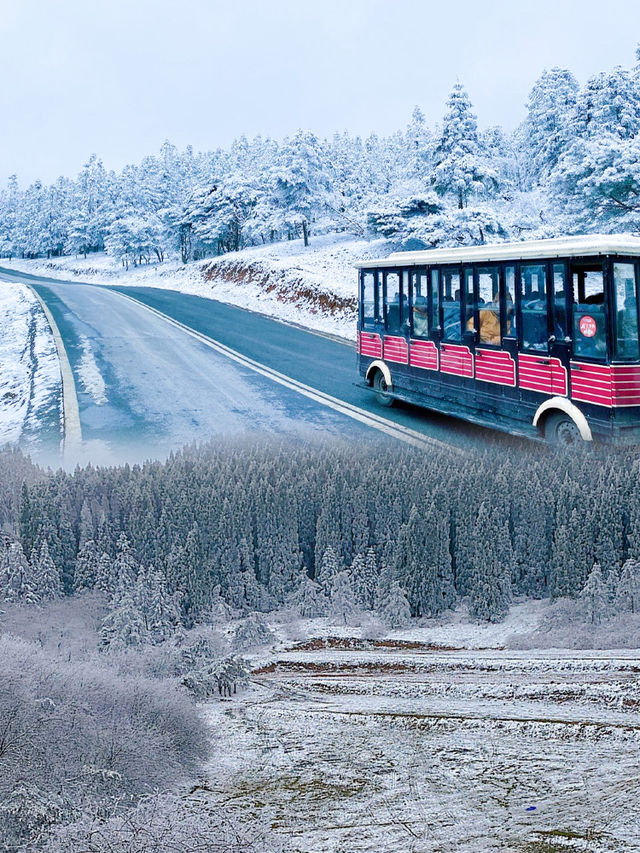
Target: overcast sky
118	77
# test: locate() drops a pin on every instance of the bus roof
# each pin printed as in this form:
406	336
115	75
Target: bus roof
559	247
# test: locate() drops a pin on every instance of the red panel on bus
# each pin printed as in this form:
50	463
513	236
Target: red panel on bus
423	354
591	383
542	373
456	360
625	385
396	349
495	366
370	344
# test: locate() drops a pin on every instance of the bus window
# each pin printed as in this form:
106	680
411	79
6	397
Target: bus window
489	305
626	311
435	299
510	288
420	305
589	330
451	305
533	306
392	303
560	324
469	301
368	300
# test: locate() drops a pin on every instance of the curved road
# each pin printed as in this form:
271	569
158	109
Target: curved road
153	372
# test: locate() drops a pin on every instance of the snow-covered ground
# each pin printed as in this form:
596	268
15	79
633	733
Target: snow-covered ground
314	286
30	384
401	744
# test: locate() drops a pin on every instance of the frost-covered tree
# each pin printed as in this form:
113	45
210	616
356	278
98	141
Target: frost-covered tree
490	591
309	599
547	131
594	598
46	575
628	590
343	604
460	168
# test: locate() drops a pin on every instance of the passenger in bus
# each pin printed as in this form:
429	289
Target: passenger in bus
420	316
489	317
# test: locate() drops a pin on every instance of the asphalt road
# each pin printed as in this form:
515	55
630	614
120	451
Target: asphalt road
146	386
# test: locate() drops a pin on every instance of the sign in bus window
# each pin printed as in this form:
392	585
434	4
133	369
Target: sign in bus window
368	299
533	306
393	303
589	328
489	305
626	316
420	305
451	305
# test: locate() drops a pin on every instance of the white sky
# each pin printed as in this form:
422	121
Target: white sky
118	77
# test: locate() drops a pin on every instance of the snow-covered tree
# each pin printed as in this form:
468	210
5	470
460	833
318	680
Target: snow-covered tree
460	168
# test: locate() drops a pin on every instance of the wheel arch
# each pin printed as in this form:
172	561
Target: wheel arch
383	368
561	404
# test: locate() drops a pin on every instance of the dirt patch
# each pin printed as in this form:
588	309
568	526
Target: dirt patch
358	644
282	284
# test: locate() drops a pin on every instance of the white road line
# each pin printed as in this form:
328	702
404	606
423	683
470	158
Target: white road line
72	430
402	433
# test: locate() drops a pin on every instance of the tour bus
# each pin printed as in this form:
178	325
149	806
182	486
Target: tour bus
538	337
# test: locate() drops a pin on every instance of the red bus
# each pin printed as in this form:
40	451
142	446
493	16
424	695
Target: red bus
536	338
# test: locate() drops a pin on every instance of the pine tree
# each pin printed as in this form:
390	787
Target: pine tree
329	568
490	593
594	598
343	601
47	576
309	599
86	570
460	169
628	590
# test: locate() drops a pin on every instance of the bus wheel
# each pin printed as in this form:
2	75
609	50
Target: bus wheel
381	388
561	431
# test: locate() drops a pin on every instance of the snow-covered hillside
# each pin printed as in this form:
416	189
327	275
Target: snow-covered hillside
314	286
30	385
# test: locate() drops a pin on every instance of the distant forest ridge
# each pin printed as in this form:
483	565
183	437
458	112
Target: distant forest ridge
326	530
572	165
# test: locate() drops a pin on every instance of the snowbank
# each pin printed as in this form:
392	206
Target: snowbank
29	371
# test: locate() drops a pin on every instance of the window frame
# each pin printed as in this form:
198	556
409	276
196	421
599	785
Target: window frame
454	269
613	327
415	273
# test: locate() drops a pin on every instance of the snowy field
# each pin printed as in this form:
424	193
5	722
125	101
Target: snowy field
314	286
30	385
423	743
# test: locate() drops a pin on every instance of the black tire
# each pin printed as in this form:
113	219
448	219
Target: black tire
381	388
561	431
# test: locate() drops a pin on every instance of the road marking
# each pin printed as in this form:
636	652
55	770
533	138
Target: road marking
398	431
72	430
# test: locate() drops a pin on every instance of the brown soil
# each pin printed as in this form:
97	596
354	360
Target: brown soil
355	643
284	288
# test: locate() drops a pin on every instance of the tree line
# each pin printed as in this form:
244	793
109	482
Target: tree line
572	165
326	530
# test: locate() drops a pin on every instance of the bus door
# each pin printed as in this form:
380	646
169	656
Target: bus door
542	357
496	340
590	380
456	345
371	314
396	318
560	336
424	329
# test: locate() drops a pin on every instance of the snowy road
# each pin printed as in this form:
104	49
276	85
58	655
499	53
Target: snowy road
146	386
